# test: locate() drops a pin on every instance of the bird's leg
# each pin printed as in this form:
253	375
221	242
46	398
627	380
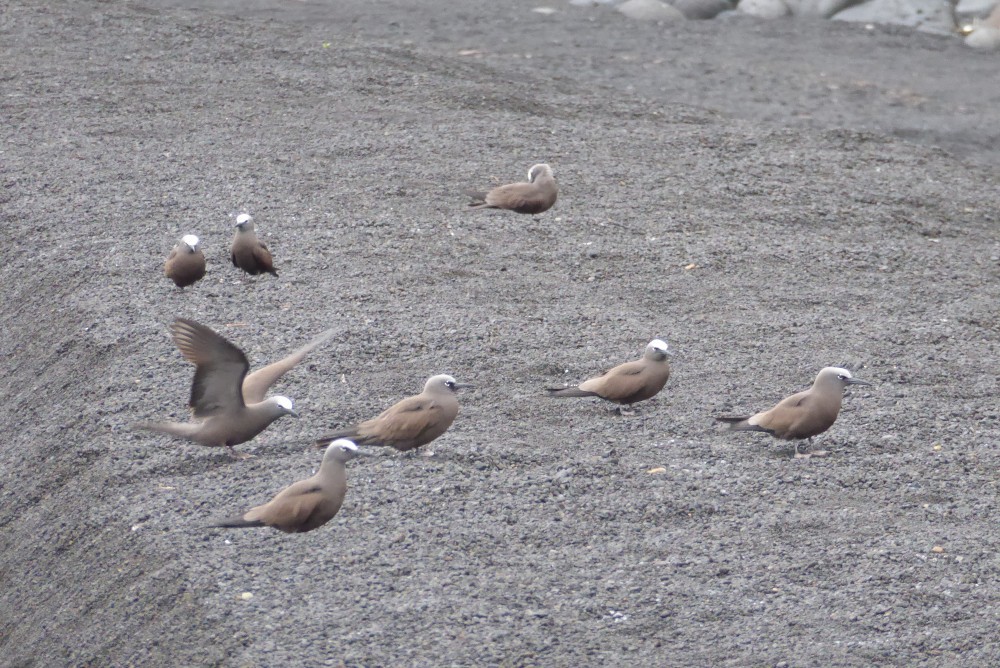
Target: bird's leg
239	456
802	455
625	411
819	453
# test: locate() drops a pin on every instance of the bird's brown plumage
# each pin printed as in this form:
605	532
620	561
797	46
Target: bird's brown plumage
626	383
307	504
536	195
802	415
411	423
248	252
216	401
186	263
256	384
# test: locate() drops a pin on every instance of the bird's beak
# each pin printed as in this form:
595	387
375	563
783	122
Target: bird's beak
362	453
857	381
293	413
464	386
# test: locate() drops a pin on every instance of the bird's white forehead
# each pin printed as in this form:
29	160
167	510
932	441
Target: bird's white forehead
342	443
243	218
658	344
840	372
442	378
284	402
190	240
540	168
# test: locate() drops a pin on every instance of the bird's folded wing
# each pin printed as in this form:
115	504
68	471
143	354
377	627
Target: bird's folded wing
291	508
407	420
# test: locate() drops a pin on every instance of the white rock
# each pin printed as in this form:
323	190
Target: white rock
765	9
975	7
650	10
701	9
935	16
821	8
984	38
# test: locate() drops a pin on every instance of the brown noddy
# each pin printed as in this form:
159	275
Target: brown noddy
186	263
802	415
412	422
222	416
307	504
626	383
536	195
248	252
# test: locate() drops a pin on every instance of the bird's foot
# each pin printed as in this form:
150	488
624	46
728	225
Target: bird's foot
426	453
820	453
240	456
626	412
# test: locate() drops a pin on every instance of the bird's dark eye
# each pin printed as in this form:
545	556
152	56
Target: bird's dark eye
842	377
450	383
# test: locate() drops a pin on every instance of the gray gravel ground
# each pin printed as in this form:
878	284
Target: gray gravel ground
717	191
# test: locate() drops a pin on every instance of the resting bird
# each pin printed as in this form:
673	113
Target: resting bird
802	415
626	383
186	263
538	194
307	504
412	422
248	252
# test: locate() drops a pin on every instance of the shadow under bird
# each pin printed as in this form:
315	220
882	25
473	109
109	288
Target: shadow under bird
307	504
802	415
536	195
627	383
411	423
248	252
229	405
186	263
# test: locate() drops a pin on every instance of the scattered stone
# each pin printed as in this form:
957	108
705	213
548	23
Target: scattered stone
975	7
937	549
933	16
765	9
821	8
650	10
984	38
701	9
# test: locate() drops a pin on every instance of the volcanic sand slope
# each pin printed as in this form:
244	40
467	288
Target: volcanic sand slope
536	534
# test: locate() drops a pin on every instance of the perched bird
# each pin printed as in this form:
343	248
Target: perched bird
802	415
535	196
222	416
412	422
186	263
307	504
626	383
248	252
